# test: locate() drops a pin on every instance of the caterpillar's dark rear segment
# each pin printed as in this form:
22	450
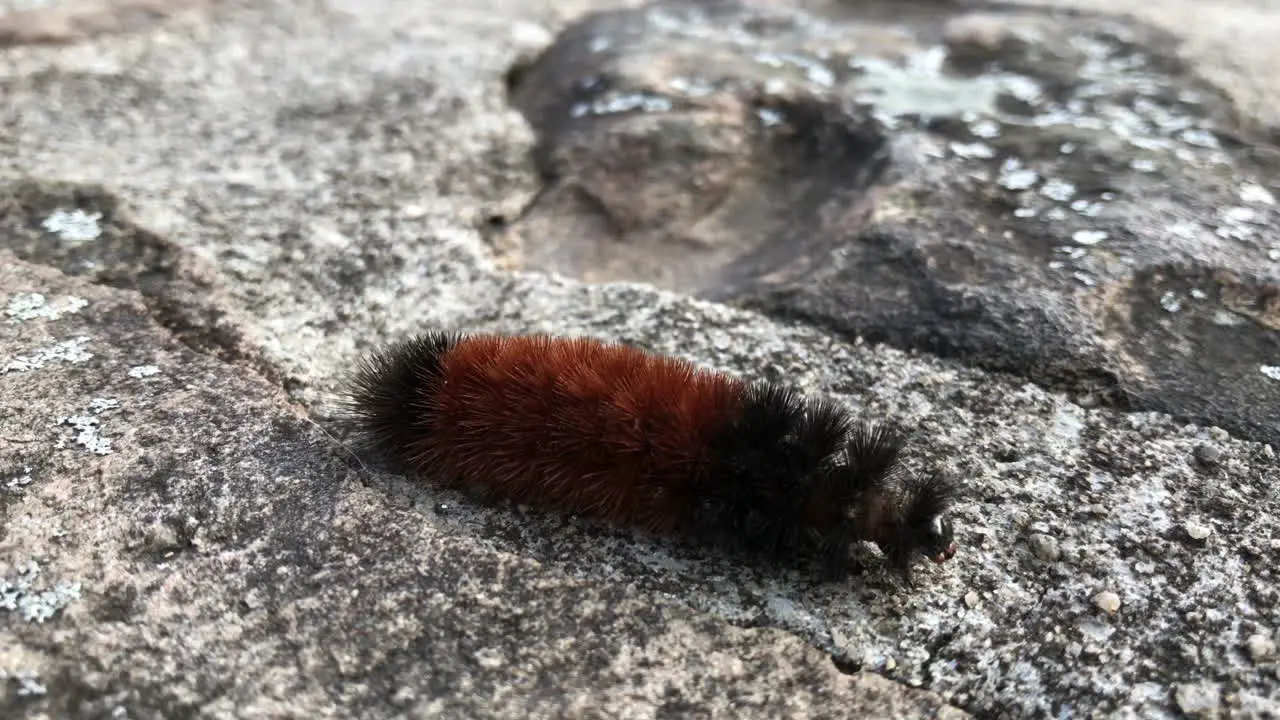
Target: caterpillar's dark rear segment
797	478
392	396
791	473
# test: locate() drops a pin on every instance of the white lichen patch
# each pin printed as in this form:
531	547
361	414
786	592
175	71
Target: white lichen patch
34	306
1238	223
923	87
813	70
86	428
622	103
1058	189
985	128
69	351
28	684
101	405
1015	177
973	150
1087	208
21	595
1199	138
20	481
143	371
74	227
28	681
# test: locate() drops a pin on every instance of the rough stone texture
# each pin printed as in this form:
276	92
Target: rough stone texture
283	184
183	293
1231	43
24	22
1048	193
192	547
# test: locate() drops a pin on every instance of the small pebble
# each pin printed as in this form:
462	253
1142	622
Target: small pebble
1044	547
161	536
1208	454
1260	647
531	35
1197	698
971	599
890	664
1088	237
1089	400
403	696
1107	601
1196	531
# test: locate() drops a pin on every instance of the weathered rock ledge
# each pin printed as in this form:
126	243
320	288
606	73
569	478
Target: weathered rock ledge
207	213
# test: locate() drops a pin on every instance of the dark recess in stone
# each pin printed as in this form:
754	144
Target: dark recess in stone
845	665
750	167
178	290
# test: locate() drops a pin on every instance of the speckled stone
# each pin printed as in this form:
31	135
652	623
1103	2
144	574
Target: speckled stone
1201	700
283	187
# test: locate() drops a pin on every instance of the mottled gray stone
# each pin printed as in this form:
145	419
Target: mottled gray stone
25	22
283	185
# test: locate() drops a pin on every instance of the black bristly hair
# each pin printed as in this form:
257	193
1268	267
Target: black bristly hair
389	396
799	477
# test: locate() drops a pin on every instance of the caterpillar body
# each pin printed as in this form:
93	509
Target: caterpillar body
648	441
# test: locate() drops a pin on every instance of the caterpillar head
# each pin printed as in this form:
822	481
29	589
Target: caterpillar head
938	540
921	522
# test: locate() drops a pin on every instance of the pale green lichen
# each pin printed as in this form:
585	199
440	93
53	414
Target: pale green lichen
143	371
87	434
75	227
68	351
21	596
34	306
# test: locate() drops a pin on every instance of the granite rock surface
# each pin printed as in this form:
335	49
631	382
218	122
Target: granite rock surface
208	213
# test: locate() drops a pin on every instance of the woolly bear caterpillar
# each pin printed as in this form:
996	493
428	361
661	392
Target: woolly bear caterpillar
647	441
